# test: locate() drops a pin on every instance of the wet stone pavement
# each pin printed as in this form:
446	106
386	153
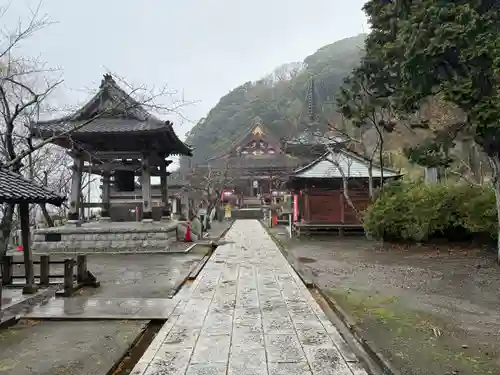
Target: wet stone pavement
85	308
248	313
133	286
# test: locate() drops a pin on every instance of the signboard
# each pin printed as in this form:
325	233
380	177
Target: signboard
255	184
295	208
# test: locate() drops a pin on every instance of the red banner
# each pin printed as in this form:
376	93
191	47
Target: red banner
295	208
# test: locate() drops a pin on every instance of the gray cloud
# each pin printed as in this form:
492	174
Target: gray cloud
203	48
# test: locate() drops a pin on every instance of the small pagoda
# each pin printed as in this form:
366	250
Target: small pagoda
313	142
115	137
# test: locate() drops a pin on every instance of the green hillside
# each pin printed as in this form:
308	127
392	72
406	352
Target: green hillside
279	100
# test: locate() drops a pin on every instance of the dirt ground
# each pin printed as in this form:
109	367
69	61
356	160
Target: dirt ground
65	348
431	310
92	347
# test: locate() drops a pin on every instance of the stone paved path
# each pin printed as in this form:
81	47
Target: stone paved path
248	313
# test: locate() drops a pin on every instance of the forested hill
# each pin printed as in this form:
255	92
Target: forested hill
279	99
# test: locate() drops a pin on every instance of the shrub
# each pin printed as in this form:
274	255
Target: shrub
478	213
418	212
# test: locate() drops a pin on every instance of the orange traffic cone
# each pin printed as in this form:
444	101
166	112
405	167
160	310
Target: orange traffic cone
188	232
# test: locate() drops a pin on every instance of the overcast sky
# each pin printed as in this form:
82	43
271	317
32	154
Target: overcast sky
202	48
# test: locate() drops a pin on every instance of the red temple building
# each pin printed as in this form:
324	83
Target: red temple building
320	186
256	163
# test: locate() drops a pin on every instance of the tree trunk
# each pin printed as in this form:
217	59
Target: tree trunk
6	228
43	206
370	180
381	160
82	209
212	205
46	215
345	185
497	195
495	163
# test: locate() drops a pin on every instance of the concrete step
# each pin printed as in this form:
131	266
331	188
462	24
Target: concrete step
247	213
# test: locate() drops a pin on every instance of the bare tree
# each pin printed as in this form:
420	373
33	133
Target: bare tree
343	166
285	72
25	85
360	103
210	182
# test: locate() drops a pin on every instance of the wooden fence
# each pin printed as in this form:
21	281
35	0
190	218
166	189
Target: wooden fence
74	274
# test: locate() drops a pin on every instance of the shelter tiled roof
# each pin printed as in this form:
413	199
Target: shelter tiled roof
16	189
339	163
110	111
101	125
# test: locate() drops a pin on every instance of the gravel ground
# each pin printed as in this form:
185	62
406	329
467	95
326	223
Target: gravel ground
432	310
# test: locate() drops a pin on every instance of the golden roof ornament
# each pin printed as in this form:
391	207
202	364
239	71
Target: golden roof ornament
257	131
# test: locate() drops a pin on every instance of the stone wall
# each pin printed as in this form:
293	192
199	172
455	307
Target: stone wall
85	240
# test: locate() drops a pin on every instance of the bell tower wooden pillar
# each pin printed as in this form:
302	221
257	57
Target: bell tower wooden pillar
76	187
165	209
147	208
105	214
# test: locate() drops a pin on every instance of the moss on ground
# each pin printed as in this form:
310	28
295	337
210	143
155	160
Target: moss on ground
415	342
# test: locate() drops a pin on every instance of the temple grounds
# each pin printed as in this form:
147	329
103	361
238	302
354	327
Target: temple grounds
92	347
429	309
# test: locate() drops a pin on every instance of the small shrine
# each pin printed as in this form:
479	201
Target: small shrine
113	136
320	185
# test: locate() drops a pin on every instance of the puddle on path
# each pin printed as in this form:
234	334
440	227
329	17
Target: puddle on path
306	260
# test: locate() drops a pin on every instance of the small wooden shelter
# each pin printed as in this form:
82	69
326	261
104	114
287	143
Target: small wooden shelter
15	189
114	136
320	186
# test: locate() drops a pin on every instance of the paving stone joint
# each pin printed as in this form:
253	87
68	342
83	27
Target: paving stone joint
248	313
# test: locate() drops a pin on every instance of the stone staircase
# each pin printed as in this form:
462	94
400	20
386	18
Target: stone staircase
251	202
251	209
